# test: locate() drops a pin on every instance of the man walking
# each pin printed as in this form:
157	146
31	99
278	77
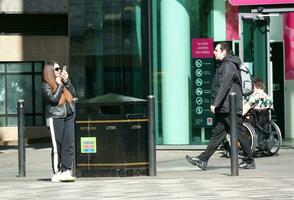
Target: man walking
226	80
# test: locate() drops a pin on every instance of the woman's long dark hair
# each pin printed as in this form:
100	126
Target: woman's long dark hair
50	78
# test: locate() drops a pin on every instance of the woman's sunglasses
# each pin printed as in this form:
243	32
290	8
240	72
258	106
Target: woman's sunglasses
57	69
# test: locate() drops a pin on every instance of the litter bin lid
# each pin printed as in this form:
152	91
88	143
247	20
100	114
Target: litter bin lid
113	98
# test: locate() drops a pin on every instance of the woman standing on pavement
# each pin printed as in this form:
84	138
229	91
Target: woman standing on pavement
58	94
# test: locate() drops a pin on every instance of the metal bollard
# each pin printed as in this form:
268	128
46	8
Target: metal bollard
234	136
151	137
74	162
21	139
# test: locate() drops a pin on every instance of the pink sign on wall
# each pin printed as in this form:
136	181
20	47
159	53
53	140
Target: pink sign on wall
232	22
259	2
289	45
202	48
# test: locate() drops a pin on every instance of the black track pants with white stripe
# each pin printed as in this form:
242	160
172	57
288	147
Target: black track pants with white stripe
62	136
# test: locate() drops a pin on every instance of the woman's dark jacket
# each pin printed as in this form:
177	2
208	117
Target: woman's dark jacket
52	98
227	79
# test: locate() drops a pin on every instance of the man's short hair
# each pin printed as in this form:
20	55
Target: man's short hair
225	46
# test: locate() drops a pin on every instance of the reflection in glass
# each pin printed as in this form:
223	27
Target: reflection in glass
12	121
38	66
2	68
201	26
29	121
39	120
19	67
20	87
38	94
106	48
15	84
2	94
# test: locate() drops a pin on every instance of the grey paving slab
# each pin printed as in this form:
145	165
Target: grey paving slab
176	179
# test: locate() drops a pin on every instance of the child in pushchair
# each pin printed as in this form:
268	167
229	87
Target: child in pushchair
264	134
258	100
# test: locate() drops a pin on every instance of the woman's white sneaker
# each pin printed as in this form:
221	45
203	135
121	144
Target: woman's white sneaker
56	177
66	176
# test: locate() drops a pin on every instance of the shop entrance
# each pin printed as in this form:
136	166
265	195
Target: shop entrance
266	59
277	59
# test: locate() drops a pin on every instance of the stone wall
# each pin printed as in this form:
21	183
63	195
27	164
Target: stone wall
34	48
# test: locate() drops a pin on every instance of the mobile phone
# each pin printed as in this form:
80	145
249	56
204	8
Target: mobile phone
64	68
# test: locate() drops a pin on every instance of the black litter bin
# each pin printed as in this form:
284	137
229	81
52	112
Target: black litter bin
111	136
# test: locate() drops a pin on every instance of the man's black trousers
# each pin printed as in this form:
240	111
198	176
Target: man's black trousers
219	132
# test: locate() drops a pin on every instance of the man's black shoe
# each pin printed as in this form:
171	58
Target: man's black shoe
247	165
242	164
196	161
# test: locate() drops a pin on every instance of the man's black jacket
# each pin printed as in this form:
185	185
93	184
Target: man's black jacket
227	79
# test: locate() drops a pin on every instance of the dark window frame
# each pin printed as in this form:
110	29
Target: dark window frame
33	74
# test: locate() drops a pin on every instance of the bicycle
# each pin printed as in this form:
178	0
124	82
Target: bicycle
263	133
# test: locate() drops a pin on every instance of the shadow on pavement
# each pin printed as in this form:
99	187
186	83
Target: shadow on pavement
34	146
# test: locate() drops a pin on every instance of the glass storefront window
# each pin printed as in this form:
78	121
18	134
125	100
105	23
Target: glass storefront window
106	48
39	106
107	53
19	67
2	68
11	121
175	24
2	94
29	121
200	18
21	81
39	120
38	67
20	87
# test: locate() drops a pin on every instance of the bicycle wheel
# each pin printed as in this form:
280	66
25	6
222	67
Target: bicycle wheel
226	146
251	135
275	138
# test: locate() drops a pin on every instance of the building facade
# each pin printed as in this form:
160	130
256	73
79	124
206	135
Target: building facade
31	33
137	48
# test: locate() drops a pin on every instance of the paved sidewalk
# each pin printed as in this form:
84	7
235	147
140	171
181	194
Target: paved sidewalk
176	179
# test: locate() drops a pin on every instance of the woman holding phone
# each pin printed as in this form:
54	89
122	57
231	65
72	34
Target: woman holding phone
58	94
